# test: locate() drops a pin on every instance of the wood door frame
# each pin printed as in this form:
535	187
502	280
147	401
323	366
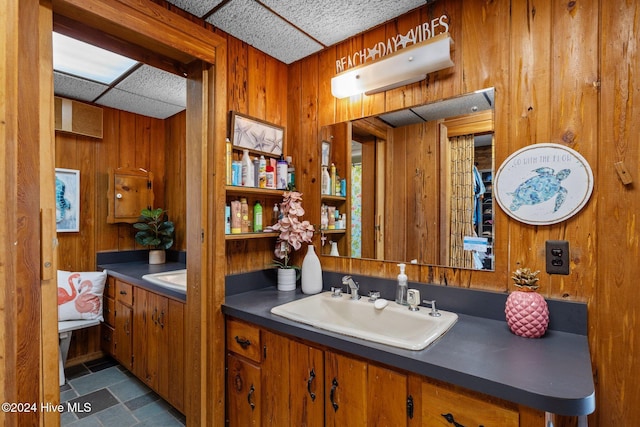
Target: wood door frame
203	54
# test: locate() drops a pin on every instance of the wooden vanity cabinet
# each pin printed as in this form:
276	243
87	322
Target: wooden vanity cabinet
158	345
276	380
107	342
123	332
148	339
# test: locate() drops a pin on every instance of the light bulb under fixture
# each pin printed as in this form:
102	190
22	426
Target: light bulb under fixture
405	66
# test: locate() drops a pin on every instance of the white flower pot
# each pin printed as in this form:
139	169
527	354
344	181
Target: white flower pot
157	256
286	279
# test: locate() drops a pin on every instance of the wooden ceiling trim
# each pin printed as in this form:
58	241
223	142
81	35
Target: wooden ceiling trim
170	35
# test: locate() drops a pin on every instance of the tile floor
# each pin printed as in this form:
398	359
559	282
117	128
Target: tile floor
103	393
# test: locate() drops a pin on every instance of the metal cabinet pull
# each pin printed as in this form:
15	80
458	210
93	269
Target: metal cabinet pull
410	407
451	420
312	376
243	342
250	397
332	394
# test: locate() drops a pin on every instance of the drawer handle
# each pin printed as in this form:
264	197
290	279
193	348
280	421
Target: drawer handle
243	342
332	394
123	292
250	397
312	376
451	420
410	407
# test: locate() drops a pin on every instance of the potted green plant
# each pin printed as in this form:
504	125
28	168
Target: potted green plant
156	232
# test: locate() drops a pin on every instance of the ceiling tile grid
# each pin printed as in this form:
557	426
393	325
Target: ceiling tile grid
252	23
156	84
332	21
126	101
76	88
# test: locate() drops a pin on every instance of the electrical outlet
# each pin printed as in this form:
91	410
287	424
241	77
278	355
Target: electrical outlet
557	256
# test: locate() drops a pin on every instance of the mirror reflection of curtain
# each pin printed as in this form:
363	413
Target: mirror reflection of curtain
356	210
462	199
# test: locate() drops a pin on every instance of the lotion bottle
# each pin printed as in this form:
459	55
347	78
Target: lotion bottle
401	292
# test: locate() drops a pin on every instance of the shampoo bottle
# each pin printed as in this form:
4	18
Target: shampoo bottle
247	170
326	181
401	293
257	217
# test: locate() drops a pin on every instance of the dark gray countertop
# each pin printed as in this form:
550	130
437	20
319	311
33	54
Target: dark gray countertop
551	374
132	272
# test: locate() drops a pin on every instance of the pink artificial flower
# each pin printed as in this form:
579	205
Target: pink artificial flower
293	232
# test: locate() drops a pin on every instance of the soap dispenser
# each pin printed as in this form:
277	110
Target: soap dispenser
401	292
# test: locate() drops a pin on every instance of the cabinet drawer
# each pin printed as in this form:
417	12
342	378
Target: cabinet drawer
109	311
107	342
244	339
124	293
110	287
444	407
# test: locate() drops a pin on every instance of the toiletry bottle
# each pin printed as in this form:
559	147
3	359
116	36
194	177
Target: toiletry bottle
275	216
257	217
229	159
332	176
227	219
291	175
401	293
324	218
256	172
236	217
270	177
262	172
326	181
282	171
247	169
244	212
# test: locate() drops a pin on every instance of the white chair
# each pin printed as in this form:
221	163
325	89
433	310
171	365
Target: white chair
65	329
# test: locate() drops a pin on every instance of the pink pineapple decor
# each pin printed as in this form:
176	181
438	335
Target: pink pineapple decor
526	310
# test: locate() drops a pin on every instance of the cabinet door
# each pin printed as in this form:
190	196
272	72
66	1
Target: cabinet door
345	391
141	333
123	334
386	397
306	379
243	392
172	360
275	380
445	406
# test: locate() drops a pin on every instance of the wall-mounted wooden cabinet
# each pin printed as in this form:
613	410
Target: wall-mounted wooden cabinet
130	191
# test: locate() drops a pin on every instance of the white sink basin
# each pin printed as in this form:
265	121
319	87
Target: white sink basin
176	279
393	325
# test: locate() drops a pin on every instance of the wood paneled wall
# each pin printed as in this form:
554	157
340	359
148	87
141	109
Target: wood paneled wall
564	72
558	79
130	140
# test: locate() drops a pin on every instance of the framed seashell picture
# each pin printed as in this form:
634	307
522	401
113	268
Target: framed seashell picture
543	184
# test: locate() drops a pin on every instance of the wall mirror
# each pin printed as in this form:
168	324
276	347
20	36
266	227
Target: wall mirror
419	184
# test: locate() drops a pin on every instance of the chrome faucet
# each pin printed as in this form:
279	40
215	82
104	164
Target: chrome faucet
353	287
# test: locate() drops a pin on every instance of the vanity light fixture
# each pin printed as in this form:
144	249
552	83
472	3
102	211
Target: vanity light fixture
403	67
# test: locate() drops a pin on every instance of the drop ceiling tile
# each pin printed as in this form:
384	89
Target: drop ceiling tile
198	8
156	84
251	22
133	103
331	21
75	88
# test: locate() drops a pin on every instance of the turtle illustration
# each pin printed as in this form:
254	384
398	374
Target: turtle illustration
541	188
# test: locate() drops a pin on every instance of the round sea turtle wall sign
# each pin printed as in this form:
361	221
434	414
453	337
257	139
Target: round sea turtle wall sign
543	184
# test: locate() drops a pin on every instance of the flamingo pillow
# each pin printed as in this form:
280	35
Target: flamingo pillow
80	295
